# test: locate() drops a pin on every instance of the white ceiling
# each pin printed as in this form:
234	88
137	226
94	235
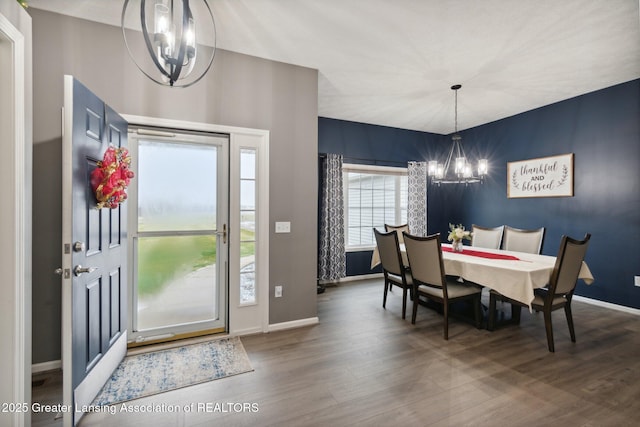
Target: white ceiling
392	63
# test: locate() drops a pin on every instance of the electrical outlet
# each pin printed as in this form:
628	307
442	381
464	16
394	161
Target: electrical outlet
278	291
637	281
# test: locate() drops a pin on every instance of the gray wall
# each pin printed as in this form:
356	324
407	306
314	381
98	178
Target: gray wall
239	91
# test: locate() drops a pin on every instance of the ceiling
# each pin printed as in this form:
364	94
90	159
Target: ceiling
392	63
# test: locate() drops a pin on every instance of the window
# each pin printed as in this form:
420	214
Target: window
248	158
374	196
176	239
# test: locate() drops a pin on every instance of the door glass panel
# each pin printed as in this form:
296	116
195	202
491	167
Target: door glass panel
180	260
176	276
247	194
247	226
176	186
248	164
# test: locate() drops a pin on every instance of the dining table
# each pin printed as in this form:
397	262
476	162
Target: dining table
513	274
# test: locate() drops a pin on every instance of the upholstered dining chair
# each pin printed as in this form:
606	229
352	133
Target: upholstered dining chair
398	229
486	237
394	270
519	240
429	279
560	290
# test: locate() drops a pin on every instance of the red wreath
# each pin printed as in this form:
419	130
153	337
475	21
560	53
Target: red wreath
111	178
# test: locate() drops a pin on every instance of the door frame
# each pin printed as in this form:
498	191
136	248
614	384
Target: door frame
16	172
242	319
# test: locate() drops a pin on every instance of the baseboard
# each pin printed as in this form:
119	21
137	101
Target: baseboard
352	279
46	366
293	324
248	331
609	305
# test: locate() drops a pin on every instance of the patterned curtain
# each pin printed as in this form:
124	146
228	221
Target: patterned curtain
417	207
332	259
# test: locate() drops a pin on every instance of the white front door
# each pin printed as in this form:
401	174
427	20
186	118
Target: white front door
94	253
179	234
248	220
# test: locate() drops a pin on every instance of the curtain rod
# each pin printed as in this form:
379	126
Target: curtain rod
369	161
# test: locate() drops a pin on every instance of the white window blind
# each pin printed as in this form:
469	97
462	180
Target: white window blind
374	196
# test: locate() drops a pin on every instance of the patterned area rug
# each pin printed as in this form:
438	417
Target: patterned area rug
151	373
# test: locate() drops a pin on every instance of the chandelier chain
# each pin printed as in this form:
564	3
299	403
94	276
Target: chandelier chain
456	112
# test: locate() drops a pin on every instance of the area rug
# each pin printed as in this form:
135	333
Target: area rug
159	371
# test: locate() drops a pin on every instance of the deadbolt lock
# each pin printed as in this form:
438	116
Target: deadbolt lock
66	273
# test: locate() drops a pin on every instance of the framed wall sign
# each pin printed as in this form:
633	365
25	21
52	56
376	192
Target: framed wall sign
542	177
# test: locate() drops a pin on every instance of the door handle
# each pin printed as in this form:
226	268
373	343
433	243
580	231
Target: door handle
78	270
223	233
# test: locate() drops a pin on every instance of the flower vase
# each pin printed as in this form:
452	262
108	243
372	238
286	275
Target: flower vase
457	245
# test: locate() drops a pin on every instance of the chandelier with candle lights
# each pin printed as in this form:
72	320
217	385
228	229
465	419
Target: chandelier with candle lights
162	40
456	169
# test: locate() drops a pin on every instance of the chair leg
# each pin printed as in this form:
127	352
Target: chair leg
404	302
549	328
416	298
384	299
491	322
477	307
567	312
445	308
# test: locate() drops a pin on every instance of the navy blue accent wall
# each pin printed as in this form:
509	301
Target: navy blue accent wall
372	144
375	145
601	128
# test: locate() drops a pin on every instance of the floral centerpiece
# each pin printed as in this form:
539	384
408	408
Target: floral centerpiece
111	178
456	234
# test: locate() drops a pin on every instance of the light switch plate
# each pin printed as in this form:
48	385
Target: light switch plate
283	227
636	281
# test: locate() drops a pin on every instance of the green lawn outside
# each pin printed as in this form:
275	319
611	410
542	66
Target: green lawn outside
161	259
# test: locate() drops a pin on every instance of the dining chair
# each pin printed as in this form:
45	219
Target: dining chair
430	281
560	290
486	237
398	229
519	240
394	270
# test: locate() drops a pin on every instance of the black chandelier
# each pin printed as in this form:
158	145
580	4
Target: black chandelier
456	169
168	53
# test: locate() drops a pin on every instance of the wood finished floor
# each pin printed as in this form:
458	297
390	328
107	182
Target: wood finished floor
365	366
